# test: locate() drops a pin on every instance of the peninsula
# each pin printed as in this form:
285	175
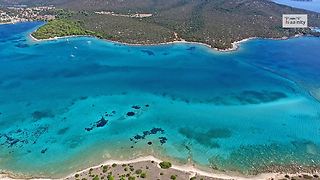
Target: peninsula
215	23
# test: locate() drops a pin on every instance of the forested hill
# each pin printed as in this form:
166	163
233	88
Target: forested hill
214	22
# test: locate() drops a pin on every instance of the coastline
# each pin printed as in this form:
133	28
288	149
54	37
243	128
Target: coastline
182	168
235	45
190	170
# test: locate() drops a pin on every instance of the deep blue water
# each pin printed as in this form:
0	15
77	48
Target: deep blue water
74	102
313	5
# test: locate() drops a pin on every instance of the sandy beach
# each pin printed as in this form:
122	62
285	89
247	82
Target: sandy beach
149	165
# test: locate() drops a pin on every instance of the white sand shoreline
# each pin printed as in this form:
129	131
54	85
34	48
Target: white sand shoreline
235	45
183	168
193	171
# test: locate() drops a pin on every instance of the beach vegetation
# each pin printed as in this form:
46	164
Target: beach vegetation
173	177
76	175
193	178
131	169
138	171
114	165
161	173
165	165
131	178
105	169
84	179
143	175
125	169
110	177
96	178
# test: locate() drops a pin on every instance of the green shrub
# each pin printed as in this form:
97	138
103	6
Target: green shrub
173	177
143	175
110	177
114	165
76	175
96	178
138	171
131	178
165	165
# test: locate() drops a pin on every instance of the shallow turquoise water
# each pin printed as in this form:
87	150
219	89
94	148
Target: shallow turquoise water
74	102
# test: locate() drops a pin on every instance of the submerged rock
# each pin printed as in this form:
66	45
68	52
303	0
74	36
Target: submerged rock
88	129
136	107
44	150
191	48
102	122
150	53
37	115
163	140
130	113
148	133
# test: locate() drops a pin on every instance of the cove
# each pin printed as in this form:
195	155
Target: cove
71	103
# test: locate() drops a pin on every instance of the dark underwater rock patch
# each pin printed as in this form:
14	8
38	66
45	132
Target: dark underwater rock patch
206	138
163	140
44	150
136	107
83	97
101	123
110	114
191	48
21	45
62	131
257	97
130	113
9	141
150	53
145	134
20	137
37	115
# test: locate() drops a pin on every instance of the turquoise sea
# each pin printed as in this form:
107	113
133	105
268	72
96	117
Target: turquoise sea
311	5
74	102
